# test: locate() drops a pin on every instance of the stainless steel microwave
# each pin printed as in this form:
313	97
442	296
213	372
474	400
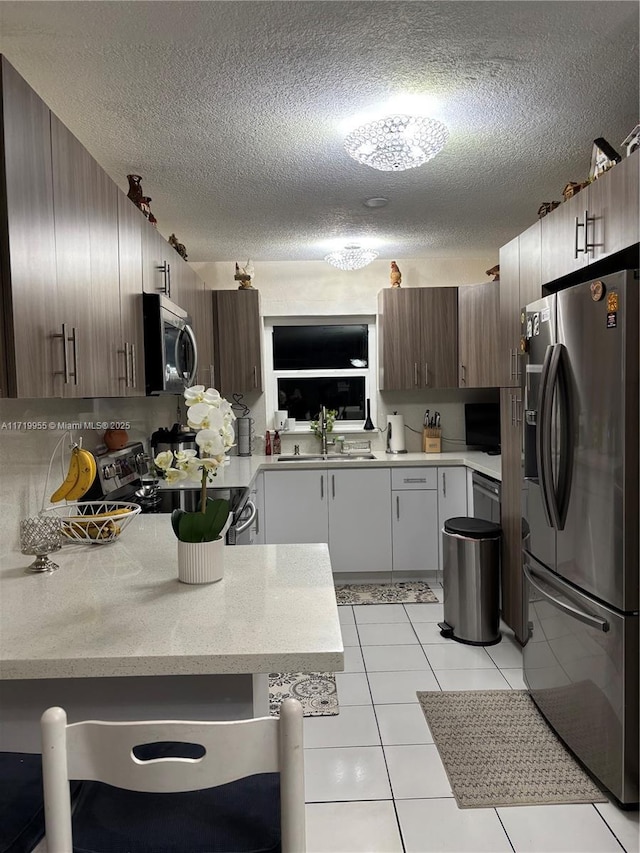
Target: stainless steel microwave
170	349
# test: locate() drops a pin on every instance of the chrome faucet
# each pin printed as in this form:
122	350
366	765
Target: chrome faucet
323	429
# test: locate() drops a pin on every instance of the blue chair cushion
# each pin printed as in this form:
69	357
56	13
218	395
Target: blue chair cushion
21	806
241	816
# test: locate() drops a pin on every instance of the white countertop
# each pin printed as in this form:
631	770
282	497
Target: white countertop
119	610
242	469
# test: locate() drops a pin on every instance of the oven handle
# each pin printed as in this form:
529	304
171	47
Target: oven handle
241	527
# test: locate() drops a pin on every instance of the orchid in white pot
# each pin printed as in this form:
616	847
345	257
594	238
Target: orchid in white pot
212	417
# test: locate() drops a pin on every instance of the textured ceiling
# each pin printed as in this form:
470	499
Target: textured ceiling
233	112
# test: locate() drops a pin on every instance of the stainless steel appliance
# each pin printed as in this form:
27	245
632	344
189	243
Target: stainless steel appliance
170	349
123	473
581	522
486	498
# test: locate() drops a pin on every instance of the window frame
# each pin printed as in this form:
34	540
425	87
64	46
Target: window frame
369	373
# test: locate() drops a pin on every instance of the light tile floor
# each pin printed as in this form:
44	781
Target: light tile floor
374	780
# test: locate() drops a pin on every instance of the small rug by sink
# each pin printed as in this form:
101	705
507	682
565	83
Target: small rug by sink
411	592
498	750
316	691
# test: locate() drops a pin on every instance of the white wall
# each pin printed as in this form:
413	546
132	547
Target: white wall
314	288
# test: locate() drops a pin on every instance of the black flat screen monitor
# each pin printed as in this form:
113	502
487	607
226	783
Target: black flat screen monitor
482	426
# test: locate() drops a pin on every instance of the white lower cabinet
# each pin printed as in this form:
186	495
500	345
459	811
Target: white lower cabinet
349	509
374	519
415	519
452	499
360	520
295	507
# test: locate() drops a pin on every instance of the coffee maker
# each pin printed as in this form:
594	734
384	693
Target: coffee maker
174	439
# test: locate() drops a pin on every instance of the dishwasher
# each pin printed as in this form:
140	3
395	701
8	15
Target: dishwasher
486	498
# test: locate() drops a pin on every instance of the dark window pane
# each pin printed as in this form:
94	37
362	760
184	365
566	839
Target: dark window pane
320	347
302	398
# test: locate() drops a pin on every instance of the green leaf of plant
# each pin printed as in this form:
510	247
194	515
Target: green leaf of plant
204	527
176	515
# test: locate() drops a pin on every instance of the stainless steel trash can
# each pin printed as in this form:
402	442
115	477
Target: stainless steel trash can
471	581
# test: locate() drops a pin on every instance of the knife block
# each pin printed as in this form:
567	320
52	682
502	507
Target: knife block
431	439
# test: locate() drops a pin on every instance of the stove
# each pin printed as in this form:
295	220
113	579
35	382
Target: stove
124	475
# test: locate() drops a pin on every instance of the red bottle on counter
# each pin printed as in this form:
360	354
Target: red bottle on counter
267	443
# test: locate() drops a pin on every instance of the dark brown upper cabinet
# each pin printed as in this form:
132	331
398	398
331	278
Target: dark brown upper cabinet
479	335
237	341
418	338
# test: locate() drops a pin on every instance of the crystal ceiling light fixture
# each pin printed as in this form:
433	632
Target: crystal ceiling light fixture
397	142
352	257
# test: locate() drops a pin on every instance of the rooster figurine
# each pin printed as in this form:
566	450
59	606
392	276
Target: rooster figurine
244	276
396	275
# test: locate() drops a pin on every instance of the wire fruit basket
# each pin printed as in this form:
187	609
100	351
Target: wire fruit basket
94	522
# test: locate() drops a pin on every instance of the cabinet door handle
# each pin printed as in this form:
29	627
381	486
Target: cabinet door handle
164	269
132	354
415	372
255	376
65	361
168	281
444	485
588	247
321	487
575	240
463	374
426	373
513	410
512	361
74	341
333	486
398	507
125	352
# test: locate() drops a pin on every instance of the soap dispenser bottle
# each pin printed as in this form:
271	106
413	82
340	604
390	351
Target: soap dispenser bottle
267	443
277	444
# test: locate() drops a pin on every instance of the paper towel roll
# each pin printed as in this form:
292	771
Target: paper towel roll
395	441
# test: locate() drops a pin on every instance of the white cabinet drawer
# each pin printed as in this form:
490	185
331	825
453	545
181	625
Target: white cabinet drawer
414	478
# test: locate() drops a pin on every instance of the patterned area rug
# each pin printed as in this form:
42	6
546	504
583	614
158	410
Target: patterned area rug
411	592
316	691
498	750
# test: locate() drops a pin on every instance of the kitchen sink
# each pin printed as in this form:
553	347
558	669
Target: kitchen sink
329	457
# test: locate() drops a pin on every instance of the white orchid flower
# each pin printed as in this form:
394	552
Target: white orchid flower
174	475
228	436
184	455
212	396
212	463
210	442
194	395
198	416
192	469
163	460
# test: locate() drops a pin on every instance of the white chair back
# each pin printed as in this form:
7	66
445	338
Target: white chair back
104	752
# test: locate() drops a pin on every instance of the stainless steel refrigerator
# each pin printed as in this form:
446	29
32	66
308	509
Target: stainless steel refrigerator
580	525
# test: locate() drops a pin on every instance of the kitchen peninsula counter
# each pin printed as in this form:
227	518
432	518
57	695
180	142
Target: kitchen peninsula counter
113	634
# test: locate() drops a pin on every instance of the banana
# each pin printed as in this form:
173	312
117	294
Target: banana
86	475
70	480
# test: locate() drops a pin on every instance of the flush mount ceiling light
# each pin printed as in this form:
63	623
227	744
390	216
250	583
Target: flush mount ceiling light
378	201
397	142
351	257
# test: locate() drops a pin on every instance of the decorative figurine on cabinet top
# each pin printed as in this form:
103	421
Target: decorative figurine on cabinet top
396	275
632	142
603	157
244	276
179	247
135	189
494	273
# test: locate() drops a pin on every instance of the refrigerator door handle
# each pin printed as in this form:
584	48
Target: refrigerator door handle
543	438
577	613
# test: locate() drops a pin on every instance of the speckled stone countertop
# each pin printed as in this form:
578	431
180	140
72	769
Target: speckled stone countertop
241	470
119	609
